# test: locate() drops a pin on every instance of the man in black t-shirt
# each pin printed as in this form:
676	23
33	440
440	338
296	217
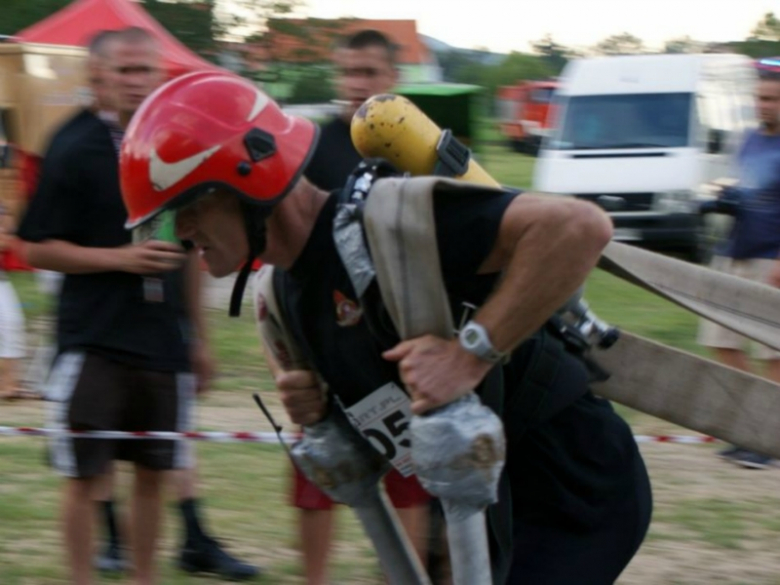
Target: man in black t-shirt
365	67
129	326
580	492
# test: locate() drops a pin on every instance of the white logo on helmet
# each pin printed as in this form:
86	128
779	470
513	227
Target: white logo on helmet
165	175
261	101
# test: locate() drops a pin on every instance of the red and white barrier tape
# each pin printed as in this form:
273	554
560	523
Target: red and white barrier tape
210	436
681	439
257	437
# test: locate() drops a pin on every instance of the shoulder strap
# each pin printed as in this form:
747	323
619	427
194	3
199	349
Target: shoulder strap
271	322
400	228
401	232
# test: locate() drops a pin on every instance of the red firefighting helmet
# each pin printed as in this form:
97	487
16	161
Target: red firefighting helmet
206	130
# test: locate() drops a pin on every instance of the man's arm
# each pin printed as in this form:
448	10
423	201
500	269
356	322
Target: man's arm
545	247
200	350
150	257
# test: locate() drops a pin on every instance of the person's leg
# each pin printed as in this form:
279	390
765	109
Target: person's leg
315	527
415	523
411	502
76	382
201	552
145	522
77	519
773	370
316	536
734	358
183	482
9	389
111	558
738	359
12	345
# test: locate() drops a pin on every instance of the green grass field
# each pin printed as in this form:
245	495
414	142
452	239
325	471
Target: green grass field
713	523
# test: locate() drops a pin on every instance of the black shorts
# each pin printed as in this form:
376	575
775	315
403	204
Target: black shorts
581	497
90	392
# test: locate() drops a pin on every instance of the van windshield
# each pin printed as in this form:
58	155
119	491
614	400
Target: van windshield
642	120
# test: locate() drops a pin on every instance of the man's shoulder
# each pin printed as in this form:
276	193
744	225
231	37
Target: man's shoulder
334	128
334	123
72	133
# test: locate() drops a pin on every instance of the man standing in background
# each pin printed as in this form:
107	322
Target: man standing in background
752	248
131	340
365	66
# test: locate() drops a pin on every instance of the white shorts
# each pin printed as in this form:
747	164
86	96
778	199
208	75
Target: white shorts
716	336
12	334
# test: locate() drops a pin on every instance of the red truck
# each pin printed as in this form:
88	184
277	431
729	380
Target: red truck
525	113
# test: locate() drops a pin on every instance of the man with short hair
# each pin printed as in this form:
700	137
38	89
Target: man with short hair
128	339
364	66
752	248
580	492
122	358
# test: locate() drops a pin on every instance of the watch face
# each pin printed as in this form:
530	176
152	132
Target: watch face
471	337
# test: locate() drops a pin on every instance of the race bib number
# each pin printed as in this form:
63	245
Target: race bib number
383	417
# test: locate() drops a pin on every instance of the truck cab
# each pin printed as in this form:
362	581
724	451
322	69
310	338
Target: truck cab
525	113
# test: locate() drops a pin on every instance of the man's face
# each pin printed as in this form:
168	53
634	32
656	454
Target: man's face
361	73
215	225
768	104
135	73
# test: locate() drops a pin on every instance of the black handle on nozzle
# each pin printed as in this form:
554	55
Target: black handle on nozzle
590	325
267	413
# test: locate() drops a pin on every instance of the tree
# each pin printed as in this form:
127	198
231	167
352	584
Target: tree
514	68
767	29
622	44
313	87
16	15
193	22
250	18
453	64
683	45
292	49
555	55
764	39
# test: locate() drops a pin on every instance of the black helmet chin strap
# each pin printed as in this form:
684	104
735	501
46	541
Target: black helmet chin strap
254	221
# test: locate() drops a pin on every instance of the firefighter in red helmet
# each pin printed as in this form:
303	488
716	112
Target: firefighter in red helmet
220	153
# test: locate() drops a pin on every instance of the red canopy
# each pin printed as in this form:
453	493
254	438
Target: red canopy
78	22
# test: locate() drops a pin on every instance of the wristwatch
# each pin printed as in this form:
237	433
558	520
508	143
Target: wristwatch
474	339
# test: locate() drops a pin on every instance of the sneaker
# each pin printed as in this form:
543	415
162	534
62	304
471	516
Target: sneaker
730	453
111	561
208	556
750	460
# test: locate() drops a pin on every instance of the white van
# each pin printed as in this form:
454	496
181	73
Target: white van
640	135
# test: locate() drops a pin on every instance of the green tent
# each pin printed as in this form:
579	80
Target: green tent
456	106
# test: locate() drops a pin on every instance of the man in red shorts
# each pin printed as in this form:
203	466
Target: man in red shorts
364	67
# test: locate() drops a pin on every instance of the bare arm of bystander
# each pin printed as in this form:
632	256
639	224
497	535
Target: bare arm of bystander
150	257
